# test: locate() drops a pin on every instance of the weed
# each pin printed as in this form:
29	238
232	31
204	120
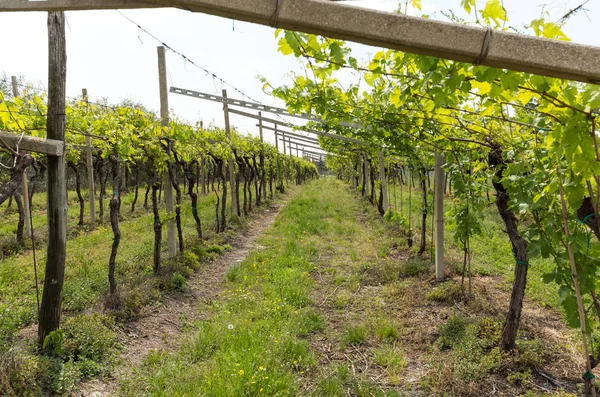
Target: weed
447	292
178	282
354	336
452	332
414	267
392	359
386	330
519	378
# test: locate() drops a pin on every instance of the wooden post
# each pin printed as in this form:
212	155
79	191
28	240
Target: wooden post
50	310
164	115
285	168
383	179
90	168
279	181
439	216
367	175
260	127
25	188
230	167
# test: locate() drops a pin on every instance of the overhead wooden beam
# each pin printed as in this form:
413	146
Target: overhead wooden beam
27	143
423	36
290	141
311	131
256	106
299	137
74	5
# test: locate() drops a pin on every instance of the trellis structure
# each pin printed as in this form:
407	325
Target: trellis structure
395	31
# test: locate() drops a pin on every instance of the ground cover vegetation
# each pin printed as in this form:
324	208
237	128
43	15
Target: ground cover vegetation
118	265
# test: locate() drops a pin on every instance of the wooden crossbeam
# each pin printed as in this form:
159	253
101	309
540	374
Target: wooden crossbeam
255	106
298	137
27	143
423	36
73	5
311	131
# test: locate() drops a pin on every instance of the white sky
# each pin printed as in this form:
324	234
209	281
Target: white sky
110	57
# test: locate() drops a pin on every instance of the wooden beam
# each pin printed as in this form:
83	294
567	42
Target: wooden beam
306	146
321	133
51	147
423	36
73	5
297	136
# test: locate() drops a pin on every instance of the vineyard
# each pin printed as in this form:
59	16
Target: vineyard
427	224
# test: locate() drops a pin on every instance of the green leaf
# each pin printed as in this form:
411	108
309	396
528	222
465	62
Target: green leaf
468	5
494	11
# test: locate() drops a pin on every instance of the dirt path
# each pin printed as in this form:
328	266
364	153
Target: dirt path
160	327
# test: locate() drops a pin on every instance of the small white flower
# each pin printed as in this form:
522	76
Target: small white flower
230	326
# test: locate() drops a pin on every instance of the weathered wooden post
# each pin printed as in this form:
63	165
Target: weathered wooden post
50	310
263	178
24	183
285	168
90	168
230	167
164	116
439	216
279	179
367	175
383	179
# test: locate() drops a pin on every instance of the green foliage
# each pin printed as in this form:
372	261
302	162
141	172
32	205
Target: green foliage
53	342
90	337
452	332
519	378
178	282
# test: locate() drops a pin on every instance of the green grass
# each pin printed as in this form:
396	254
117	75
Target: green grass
88	252
255	340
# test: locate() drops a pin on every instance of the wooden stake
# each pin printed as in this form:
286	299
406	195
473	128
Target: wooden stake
164	115
383	179
90	168
590	389
50	310
439	216
24	184
279	180
235	205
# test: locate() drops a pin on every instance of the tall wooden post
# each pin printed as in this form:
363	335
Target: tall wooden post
361	168
439	216
90	168
230	167
164	116
367	175
383	179
260	129
279	180
24	186
50	310
285	168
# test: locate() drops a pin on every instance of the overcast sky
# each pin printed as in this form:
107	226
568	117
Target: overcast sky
113	59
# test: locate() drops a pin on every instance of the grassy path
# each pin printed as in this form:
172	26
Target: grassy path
333	304
160	327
